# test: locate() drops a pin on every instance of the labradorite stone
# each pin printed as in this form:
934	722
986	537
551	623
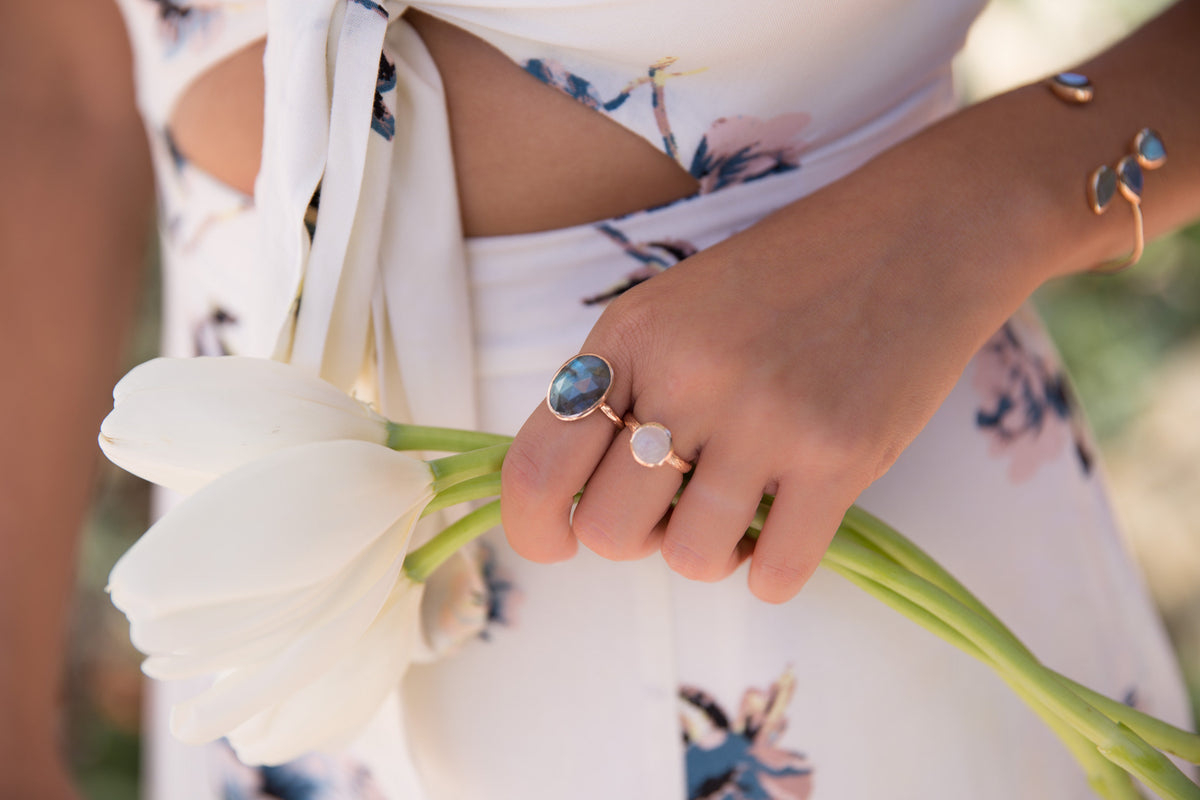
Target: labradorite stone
1131	175
580	386
1105	186
1150	146
1072	79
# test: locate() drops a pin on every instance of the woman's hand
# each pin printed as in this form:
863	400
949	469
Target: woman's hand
798	358
801	356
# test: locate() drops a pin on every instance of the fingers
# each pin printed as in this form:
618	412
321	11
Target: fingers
801	524
704	536
623	503
549	461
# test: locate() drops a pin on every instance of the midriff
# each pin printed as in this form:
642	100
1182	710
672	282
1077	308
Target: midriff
527	157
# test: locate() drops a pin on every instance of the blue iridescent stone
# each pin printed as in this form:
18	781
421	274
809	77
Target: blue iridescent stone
1151	151
579	387
1071	87
1130	174
1103	187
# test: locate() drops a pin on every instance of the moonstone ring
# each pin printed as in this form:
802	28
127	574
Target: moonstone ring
580	387
651	445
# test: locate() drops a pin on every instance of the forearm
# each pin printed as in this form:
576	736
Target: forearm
1037	151
74	218
70	276
1001	186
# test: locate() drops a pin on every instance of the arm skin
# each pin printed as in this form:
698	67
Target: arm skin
801	356
74	219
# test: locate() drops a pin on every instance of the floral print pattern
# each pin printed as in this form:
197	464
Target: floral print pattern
182	24
1026	408
740	758
502	594
382	120
316	776
743	149
652	257
208	335
734	150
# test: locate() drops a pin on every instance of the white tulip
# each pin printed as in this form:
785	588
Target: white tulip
182	422
284	575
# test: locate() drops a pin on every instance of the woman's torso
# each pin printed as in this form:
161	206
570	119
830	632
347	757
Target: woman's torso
690	87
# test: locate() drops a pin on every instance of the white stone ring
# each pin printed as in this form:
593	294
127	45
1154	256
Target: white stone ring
580	387
651	445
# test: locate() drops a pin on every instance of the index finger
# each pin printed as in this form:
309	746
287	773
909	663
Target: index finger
553	456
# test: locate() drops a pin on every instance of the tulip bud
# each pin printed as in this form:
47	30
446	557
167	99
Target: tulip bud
284	575
182	422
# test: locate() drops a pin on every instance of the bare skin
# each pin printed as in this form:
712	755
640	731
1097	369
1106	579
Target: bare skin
74	219
517	172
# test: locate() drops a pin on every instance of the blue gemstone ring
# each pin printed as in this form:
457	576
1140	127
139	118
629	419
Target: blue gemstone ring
580	387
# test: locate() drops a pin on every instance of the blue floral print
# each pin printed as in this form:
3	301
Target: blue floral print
735	149
317	776
180	23
1026	406
382	120
740	758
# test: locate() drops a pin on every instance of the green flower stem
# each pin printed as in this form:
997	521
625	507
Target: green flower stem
878	559
1105	778
1162	735
420	563
887	540
442	440
471	489
1114	740
450	470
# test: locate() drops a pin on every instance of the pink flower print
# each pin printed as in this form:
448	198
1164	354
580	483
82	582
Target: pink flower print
1026	408
740	149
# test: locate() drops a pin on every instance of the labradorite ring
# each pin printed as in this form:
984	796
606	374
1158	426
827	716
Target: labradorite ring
580	387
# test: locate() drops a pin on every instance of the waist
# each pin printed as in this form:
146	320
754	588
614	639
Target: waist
535	296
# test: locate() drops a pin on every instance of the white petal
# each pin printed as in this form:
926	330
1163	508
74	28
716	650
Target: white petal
200	645
245	692
279	524
182	422
205	629
334	707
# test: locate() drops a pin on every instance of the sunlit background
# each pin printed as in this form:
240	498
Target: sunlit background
1132	344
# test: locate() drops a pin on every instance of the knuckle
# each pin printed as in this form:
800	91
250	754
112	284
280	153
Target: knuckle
689	562
599	535
626	329
776	581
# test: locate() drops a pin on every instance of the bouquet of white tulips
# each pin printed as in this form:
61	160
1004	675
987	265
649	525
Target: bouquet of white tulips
309	494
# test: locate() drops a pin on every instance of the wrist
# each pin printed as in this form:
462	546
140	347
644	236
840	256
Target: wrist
1012	173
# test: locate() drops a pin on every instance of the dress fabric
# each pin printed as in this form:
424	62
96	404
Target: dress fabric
596	679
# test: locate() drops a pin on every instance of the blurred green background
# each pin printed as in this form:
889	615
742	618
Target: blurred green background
1131	342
